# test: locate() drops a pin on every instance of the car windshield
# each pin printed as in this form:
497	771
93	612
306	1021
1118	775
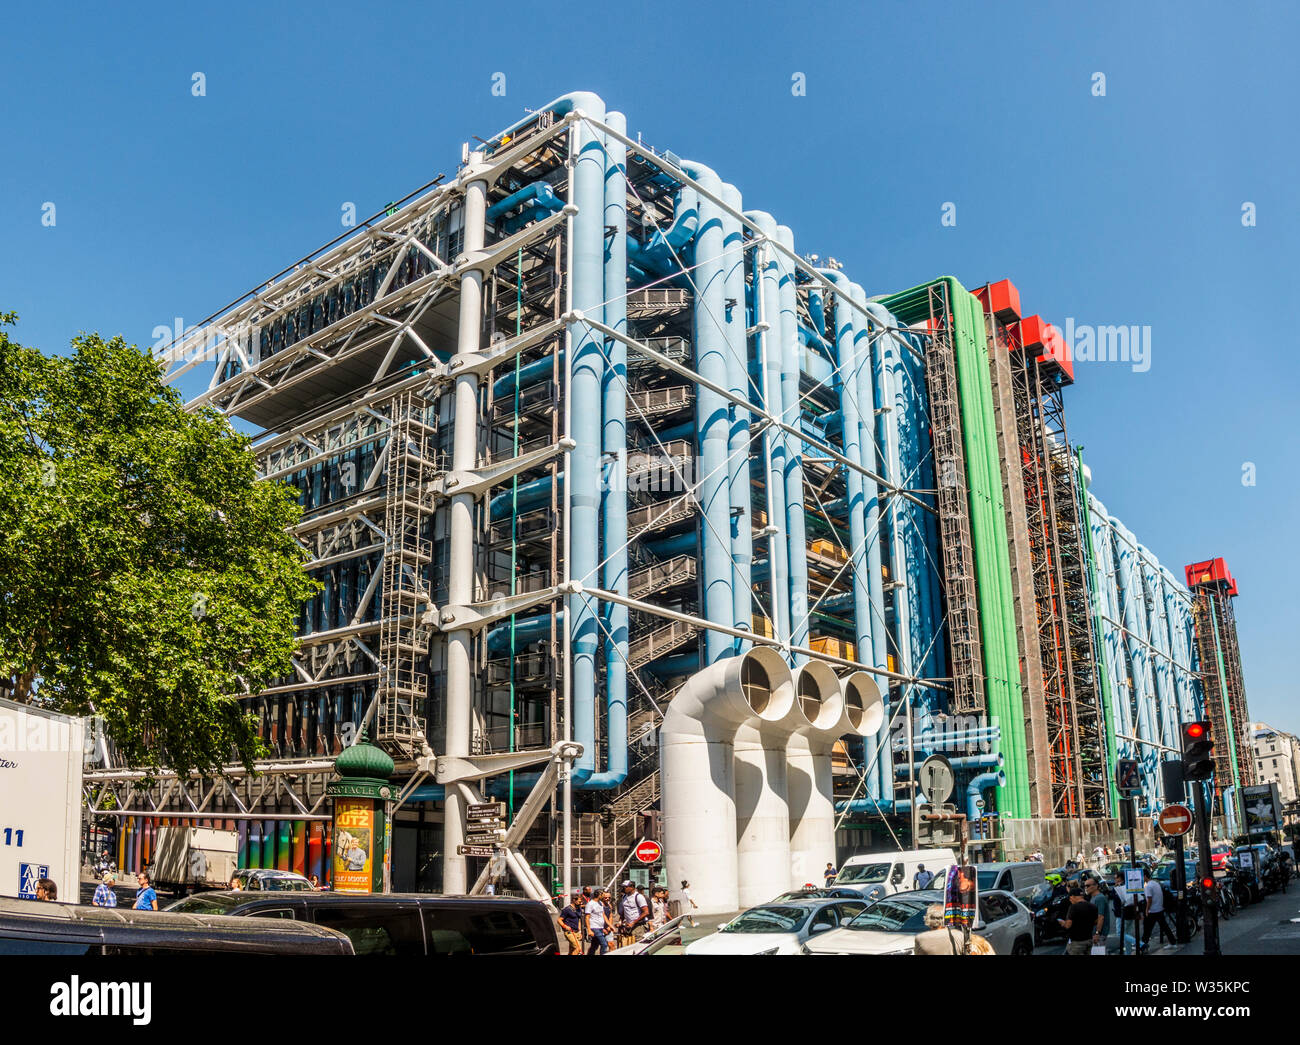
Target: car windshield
769	920
864	873
286	884
801	894
207	903
1041	893
891	916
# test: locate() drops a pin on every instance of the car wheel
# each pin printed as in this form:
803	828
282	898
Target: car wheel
1024	945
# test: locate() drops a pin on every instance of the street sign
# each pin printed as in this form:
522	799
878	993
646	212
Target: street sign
1127	781
1133	881
481	837
979	803
649	852
485	810
937	779
475	850
1175	820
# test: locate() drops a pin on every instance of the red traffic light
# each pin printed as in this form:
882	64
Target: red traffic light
1195	730
1207	882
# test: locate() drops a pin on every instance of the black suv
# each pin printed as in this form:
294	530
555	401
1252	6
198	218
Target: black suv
400	923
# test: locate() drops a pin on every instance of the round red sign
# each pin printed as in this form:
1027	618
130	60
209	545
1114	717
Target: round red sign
1175	820
648	852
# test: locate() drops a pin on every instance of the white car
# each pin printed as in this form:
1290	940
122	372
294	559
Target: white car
890	925
778	928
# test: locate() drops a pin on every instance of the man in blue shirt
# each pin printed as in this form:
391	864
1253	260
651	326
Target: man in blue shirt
104	894
146	899
923	878
571	923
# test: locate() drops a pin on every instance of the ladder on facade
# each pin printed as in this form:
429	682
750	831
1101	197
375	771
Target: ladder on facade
958	558
403	637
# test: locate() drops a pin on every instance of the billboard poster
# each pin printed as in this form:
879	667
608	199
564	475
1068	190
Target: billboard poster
1260	802
354	844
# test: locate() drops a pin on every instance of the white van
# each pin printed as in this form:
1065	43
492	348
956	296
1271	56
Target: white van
878	874
1019	879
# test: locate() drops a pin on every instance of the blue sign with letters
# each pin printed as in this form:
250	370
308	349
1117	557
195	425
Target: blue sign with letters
28	876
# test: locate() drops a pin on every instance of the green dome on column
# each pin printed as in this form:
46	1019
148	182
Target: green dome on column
364	760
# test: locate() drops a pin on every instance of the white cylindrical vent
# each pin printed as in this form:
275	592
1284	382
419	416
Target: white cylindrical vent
696	761
855	710
762	801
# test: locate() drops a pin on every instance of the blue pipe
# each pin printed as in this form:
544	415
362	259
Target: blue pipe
529	374
538	194
975	790
681	544
530	629
587	291
741	530
712	418
531	494
990	761
614	445
795	526
766	311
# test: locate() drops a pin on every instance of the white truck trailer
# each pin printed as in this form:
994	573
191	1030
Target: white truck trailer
190	858
41	756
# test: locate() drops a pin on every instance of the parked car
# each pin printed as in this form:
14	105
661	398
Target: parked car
1220	853
777	928
1020	879
890	925
253	879
401	923
835	892
28	927
667	935
874	875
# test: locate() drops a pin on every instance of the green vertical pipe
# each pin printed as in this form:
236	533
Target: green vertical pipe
1227	717
1094	601
999	643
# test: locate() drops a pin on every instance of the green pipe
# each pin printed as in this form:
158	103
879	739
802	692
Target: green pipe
1227	717
999	643
1094	600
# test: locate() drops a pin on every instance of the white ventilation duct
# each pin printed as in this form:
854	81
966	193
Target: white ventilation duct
762	802
855	710
696	760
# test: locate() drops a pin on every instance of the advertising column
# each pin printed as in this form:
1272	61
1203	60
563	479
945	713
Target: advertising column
359	856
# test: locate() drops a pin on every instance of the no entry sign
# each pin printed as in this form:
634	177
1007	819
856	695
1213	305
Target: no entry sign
1175	820
649	852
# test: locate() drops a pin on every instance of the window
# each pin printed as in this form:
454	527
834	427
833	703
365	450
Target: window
455	930
849	911
994	908
279	912
376	929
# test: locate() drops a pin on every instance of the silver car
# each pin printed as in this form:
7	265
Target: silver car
890	925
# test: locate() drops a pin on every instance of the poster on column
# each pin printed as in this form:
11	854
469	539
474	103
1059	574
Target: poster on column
354	835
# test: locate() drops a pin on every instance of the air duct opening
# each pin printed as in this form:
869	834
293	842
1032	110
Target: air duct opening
756	684
862	704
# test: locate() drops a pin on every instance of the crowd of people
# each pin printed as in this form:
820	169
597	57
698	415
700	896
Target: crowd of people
594	923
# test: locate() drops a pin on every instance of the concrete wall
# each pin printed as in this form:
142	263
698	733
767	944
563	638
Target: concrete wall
1061	839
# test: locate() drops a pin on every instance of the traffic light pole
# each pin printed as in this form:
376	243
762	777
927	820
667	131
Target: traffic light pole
1209	911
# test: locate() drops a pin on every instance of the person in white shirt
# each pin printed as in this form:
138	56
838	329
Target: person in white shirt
1155	895
688	904
597	927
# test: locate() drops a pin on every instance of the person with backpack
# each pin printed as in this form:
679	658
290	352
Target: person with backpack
1155	896
633	914
922	878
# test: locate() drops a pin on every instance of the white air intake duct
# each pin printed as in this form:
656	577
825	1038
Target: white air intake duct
696	758
857	710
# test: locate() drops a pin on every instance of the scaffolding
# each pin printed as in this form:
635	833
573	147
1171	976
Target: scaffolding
1225	692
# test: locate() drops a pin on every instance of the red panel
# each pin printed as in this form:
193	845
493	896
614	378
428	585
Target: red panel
1033	335
1211	571
1057	358
1003	300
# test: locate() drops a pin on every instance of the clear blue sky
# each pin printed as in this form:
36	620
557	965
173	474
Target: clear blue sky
1123	209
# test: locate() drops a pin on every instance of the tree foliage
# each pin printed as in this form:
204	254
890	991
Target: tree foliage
146	576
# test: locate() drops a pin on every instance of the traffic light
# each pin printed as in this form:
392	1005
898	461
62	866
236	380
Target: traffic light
1197	747
1207	883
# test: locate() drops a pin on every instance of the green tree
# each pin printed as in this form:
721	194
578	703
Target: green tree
145	574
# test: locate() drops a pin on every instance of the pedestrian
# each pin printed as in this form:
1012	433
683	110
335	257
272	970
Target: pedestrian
659	901
633	914
828	876
688	903
235	883
922	878
1130	911
1082	923
1098	854
104	894
146	899
1155	914
1078	858
315	882
570	922
47	889
597	923
1105	903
